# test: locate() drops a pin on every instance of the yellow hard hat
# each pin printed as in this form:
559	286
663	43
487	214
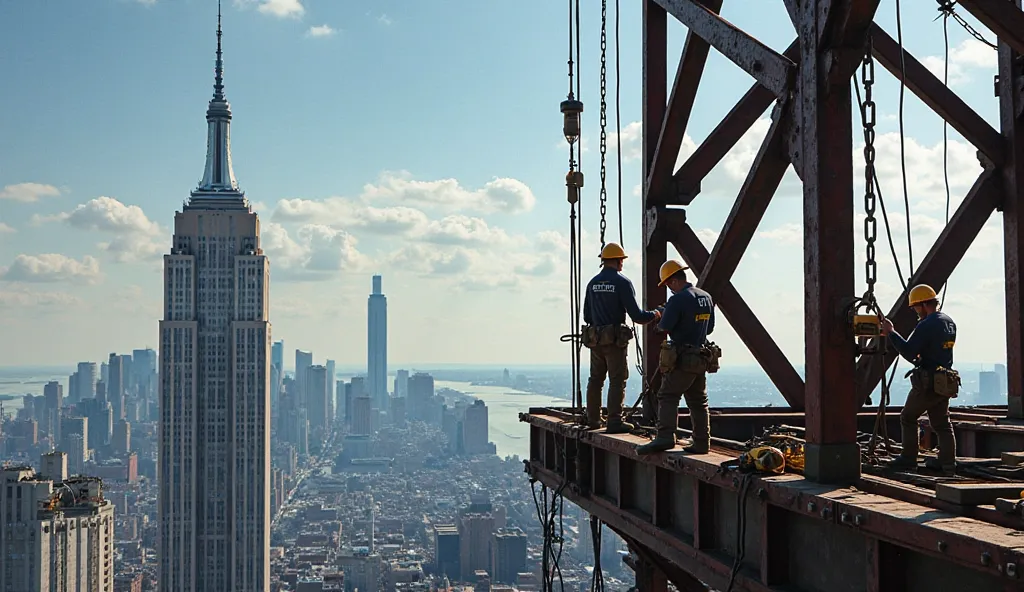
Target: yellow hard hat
669	269
921	293
613	251
763	459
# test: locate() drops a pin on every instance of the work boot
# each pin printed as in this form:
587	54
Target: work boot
700	421
619	427
659	444
935	464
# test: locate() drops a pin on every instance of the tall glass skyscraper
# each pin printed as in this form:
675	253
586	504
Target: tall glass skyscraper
377	346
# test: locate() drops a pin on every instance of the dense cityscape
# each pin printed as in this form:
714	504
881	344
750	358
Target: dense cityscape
224	461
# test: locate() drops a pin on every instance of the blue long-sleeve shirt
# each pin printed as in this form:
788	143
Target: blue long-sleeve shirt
688	316
609	297
930	345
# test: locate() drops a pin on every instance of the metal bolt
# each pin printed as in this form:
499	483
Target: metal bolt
811	507
762	494
986	558
943	546
1011	570
757	66
826	512
858	519
844	517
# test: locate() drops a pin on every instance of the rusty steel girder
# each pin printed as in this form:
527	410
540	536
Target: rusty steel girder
797	535
811	129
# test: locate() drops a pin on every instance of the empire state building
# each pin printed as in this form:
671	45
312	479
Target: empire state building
214	460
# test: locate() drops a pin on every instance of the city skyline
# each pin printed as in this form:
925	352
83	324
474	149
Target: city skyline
464	232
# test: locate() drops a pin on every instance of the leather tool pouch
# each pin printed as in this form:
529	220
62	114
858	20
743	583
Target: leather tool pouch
946	382
608	334
589	336
668	358
713	354
623	336
691	360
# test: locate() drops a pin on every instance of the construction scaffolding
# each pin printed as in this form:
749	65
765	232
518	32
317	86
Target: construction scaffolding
840	524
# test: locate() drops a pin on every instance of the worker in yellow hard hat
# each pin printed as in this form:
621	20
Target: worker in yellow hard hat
932	381
688	317
609	298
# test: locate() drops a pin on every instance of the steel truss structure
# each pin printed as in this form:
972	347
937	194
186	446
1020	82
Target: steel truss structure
801	533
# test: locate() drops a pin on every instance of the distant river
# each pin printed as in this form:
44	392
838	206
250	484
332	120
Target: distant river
510	436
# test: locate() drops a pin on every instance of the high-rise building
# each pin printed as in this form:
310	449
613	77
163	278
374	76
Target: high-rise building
53	392
116	386
303	360
508	555
214	461
331	396
59	535
85	379
1000	369
277	355
402	383
475	531
989	387
316	399
362	416
474	429
421	390
377	346
446	550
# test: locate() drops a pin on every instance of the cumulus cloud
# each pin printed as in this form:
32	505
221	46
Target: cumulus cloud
282	8
500	195
787	234
337	211
324	30
6	228
968	62
134	237
384	20
428	260
463	230
317	252
28	192
52	267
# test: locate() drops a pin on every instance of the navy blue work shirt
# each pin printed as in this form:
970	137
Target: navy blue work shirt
688	316
610	295
930	345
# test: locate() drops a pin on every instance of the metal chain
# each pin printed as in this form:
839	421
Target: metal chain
604	116
870	223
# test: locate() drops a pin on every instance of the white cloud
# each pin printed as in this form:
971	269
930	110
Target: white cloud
23	297
459	229
282	8
384	20
338	211
28	192
317	252
324	30
6	228
430	260
134	236
52	267
968	61
787	234
708	237
500	195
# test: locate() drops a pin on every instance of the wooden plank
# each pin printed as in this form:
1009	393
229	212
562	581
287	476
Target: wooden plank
976	494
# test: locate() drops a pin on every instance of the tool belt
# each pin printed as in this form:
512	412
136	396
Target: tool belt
689	358
595	336
944	382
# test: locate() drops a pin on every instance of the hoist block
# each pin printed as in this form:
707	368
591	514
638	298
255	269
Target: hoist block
866	326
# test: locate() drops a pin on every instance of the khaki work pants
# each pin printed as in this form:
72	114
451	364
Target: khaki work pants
610	360
923	399
693	387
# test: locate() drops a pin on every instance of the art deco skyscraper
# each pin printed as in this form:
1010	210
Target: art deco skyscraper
377	346
214	383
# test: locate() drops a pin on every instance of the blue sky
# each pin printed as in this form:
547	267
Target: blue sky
418	140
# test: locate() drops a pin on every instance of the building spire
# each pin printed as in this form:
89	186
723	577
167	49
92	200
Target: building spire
218	78
219	176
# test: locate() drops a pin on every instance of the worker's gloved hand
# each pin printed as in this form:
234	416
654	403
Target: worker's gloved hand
886	327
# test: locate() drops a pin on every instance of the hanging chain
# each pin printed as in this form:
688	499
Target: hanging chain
604	116
870	223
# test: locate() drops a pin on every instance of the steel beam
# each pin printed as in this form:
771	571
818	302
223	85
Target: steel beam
757	191
1002	17
826	139
740	317
935	269
1011	121
680	105
655	33
725	135
938	96
769	68
685	507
